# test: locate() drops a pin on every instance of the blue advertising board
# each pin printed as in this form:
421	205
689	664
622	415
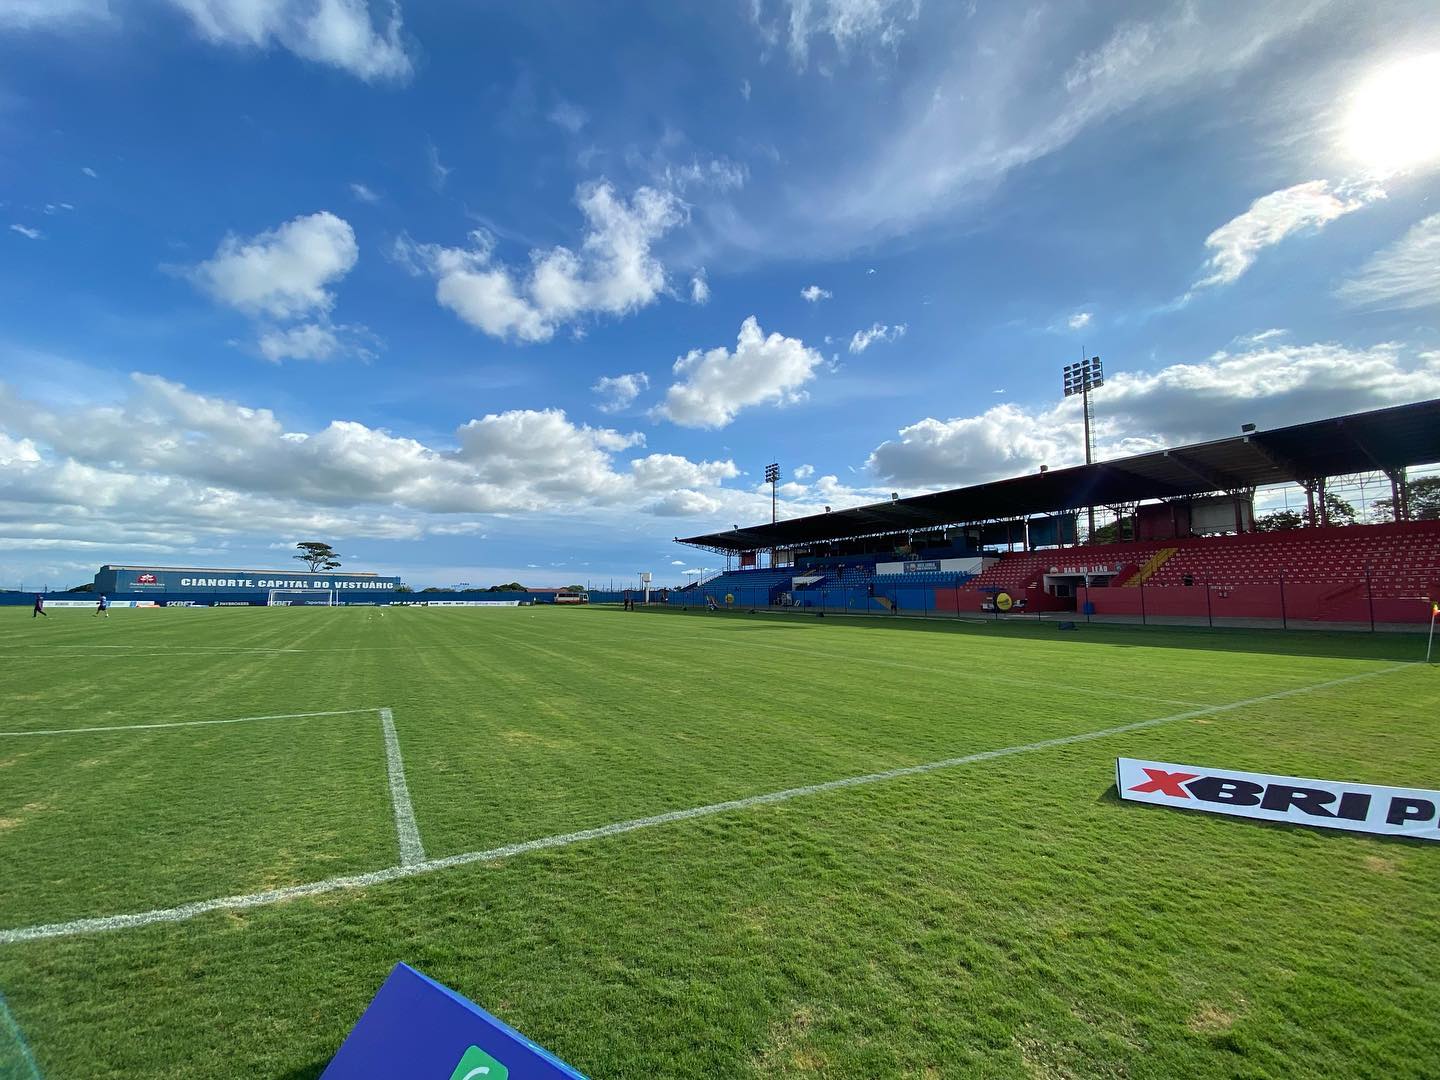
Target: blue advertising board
191	581
418	1029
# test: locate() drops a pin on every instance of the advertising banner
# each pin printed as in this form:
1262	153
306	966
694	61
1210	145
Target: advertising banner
417	1028
1295	800
466	603
90	605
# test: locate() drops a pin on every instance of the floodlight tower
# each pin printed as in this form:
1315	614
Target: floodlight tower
772	477
1080	379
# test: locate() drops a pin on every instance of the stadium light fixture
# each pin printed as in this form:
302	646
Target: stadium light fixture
1080	379
772	477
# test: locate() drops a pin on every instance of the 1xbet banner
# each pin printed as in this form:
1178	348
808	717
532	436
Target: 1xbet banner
1295	800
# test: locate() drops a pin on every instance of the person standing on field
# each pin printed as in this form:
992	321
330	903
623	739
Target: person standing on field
103	607
39	606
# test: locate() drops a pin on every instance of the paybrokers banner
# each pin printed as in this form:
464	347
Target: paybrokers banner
1295	800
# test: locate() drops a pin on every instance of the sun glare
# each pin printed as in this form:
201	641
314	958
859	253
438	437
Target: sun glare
1394	121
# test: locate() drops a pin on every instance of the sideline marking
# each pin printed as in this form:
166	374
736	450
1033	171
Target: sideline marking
395	873
184	723
157	645
9	1024
412	851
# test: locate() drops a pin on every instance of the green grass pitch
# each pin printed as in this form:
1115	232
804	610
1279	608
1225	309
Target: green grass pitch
1006	917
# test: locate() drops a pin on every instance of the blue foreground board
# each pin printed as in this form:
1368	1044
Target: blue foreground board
416	1029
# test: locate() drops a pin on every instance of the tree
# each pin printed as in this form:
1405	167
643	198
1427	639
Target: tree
1113	532
513	586
573	588
1279	521
318	556
1338	511
402	587
1423	495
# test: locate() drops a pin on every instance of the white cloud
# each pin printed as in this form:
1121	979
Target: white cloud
1269	220
364	193
339	33
27	232
1404	275
90	172
620	391
992	93
677	562
439	171
284	272
745	89
1270	385
47	14
715	385
169	466
717	174
814	293
1079	320
660	471
863	339
570	117
804	472
700	288
314	342
614	272
845	23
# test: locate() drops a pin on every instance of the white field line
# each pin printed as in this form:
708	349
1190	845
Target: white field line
181	723
412	852
395	873
156	645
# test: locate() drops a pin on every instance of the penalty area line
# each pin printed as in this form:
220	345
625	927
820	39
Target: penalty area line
395	873
183	723
412	852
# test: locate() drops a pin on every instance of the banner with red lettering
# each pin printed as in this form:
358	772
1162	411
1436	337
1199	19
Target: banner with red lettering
1295	800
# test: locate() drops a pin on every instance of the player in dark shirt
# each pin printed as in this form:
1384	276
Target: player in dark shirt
40	606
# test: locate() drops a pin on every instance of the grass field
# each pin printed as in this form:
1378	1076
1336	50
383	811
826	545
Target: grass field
999	917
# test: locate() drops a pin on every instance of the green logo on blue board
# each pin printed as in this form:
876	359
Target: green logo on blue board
478	1065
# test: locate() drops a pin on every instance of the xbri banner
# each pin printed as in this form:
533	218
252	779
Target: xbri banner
1296	800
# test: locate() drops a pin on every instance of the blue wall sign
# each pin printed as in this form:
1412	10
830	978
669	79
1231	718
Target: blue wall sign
418	1029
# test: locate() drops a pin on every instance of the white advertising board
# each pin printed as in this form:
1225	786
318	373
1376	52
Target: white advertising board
1295	800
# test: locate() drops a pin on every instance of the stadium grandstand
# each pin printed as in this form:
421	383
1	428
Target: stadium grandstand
1183	546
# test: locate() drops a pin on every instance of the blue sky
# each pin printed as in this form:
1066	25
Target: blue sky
490	291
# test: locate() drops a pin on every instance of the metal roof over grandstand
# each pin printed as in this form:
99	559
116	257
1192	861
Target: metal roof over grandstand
1382	439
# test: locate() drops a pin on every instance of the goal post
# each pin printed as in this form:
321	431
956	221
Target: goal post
301	598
